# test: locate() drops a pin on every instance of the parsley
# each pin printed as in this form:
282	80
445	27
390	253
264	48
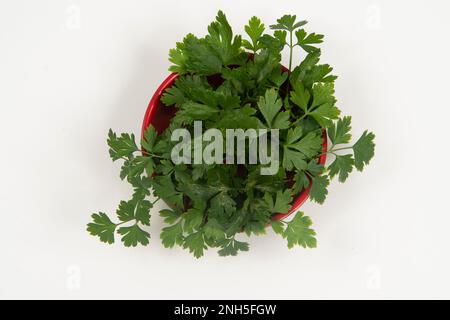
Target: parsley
270	106
214	206
298	232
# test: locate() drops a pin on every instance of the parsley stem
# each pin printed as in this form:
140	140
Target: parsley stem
150	154
339	149
298	120
145	153
291	49
333	151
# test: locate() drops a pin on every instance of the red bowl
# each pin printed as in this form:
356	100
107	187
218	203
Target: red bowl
159	115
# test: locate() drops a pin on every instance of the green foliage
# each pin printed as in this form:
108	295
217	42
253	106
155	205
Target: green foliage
298	148
213	205
364	150
102	227
231	247
360	153
282	202
133	235
270	106
306	41
195	243
288	23
298	232
254	30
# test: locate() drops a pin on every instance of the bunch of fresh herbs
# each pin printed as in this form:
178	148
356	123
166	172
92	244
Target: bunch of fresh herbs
212	206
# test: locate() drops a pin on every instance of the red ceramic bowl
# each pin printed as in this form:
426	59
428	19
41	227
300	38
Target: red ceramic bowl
159	116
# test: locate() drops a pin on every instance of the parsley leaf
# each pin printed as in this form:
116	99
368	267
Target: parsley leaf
222	204
195	243
297	148
322	94
323	108
319	191
277	227
339	133
342	165
184	89
243	118
170	216
125	211
135	167
270	105
281	35
195	55
293	159
191	111
282	202
300	96
220	38
121	147
309	145
178	58
307	40
193	219
164	188
301	181
254	29
364	150
287	22
133	235
149	138
298	232
306	66
318	73
102	227
172	235
278	77
264	63
213	229
141	186
231	247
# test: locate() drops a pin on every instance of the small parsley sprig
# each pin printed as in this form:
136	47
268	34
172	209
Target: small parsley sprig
215	206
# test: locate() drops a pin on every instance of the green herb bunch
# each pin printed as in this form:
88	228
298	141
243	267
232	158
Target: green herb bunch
211	206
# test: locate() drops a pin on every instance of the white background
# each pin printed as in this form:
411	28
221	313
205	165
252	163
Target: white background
70	70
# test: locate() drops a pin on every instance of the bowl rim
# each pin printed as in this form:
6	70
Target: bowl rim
150	113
